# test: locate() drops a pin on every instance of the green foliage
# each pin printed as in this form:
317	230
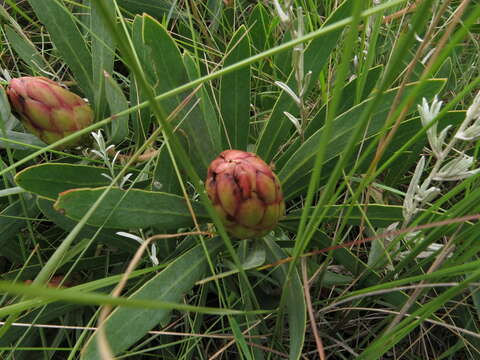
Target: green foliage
332	105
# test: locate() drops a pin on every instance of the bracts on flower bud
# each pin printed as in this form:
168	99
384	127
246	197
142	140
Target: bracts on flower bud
246	193
48	110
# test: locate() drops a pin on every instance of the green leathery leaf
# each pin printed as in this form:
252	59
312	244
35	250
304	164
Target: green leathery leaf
282	63
126	209
4	111
69	41
117	103
19	140
277	129
295	300
48	180
165	60
103	54
157	8
206	105
124	326
259	24
235	93
170	71
141	118
25	49
294	175
164	174
106	236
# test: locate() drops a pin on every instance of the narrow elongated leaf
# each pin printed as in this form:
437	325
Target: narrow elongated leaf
141	118
295	300
164	170
103	54
25	49
129	209
165	176
4	111
165	59
117	103
283	63
157	8
294	174
48	180
170	72
277	129
206	106
68	40
235	93
106	236
259	23
126	326
19	140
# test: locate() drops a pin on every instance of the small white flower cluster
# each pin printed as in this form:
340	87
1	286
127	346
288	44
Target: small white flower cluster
458	168
427	116
102	152
417	195
285	16
419	192
152	254
472	120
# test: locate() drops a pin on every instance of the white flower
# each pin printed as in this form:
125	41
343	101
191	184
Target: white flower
473	111
284	17
153	252
456	169
409	203
472	131
427	116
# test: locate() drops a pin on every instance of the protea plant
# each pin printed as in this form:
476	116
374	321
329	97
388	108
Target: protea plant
48	110
245	192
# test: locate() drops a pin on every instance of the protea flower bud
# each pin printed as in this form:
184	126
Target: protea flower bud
245	192
47	110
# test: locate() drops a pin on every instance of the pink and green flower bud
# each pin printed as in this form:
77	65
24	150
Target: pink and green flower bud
48	110
246	193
